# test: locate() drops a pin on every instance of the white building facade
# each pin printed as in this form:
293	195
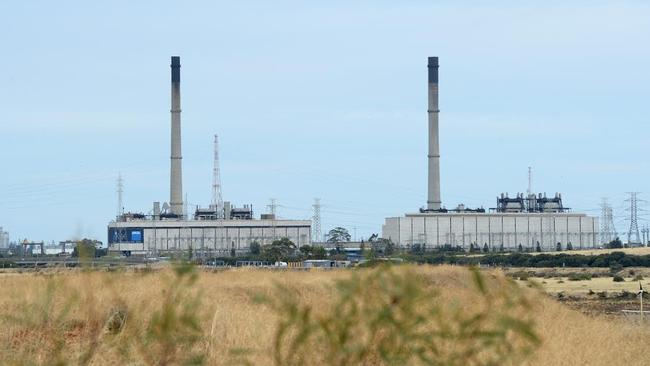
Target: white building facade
218	237
507	230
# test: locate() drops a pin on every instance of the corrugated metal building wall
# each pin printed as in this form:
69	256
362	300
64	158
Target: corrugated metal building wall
219	237
495	229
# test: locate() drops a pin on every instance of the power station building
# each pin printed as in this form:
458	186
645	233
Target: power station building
220	229
497	230
218	237
523	220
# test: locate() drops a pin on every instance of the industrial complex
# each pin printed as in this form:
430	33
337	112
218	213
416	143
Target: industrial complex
524	222
221	229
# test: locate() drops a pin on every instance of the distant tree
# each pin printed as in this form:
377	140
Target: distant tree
558	246
306	250
614	244
569	246
255	248
389	246
279	250
85	249
501	248
362	246
538	248
370	254
233	252
486	248
190	253
416	249
319	252
338	235
520	248
373	238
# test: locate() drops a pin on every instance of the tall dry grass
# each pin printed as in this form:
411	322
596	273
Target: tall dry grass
182	316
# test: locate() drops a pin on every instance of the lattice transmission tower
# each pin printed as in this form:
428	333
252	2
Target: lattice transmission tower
607	227
315	222
633	232
272	206
217	197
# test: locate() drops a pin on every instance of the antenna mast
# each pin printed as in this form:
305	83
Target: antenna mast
217	198
530	181
120	191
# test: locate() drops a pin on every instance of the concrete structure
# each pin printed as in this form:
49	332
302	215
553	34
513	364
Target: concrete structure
497	230
217	237
433	181
520	220
176	169
4	239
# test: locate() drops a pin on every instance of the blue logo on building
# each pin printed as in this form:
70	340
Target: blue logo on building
136	236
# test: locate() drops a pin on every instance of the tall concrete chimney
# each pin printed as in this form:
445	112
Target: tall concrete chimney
176	171
433	182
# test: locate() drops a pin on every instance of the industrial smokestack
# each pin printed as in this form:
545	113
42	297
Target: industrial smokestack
433	182
176	171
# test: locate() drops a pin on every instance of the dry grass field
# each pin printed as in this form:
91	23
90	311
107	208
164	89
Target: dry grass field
597	284
125	317
629	251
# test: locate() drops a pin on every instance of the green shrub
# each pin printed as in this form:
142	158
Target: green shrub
627	295
579	277
615	267
638	277
618	278
521	275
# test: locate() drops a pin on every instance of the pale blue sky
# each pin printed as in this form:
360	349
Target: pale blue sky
321	101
